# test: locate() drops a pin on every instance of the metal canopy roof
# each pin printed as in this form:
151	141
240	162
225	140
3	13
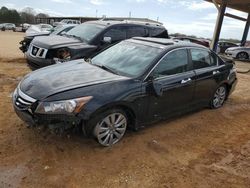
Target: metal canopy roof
241	5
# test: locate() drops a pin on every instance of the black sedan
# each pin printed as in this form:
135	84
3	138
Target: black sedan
136	82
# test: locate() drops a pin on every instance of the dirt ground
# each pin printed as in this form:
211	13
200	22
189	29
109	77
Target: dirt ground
209	148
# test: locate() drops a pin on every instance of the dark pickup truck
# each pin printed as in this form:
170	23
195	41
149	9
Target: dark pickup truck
59	30
86	40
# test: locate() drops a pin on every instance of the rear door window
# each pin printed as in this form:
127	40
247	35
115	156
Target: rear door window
136	31
158	32
203	58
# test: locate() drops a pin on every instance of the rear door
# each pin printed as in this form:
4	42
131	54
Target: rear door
208	74
136	31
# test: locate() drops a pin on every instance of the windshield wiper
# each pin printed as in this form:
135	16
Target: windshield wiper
106	68
74	36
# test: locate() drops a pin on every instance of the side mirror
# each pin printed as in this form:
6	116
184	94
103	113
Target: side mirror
107	39
158	89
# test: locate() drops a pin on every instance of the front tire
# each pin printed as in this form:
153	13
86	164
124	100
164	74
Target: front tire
219	97
242	56
108	127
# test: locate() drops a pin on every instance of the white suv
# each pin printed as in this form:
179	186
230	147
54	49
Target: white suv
8	26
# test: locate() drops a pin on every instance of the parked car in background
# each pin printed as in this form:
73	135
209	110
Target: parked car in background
59	30
240	53
86	40
22	27
223	45
131	84
66	21
8	26
39	28
202	42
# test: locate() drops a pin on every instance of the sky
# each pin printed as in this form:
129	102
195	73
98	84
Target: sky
191	17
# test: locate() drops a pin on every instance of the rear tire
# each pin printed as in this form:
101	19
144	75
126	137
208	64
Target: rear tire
219	97
108	127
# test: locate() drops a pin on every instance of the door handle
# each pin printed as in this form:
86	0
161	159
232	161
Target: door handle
186	81
216	72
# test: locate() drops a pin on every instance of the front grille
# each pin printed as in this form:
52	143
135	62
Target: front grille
23	101
36	51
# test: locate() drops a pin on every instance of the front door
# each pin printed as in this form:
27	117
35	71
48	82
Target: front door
115	34
173	85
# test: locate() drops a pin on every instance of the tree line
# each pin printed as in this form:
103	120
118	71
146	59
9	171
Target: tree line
27	15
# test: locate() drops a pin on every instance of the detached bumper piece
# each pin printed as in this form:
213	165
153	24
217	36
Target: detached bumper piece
24	45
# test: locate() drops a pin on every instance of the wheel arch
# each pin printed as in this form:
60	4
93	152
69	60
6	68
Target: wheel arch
228	88
130	112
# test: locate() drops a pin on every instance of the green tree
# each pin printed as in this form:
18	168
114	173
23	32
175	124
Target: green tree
7	15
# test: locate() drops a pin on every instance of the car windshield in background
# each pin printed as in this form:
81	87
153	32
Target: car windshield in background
64	21
127	58
55	30
58	30
86	31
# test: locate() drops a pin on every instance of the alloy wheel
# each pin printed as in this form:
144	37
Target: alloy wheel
219	97
111	129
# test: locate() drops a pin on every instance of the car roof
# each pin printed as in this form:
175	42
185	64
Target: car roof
118	22
164	43
67	25
192	38
69	20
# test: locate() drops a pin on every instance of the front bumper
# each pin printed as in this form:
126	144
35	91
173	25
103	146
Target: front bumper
49	121
36	63
231	54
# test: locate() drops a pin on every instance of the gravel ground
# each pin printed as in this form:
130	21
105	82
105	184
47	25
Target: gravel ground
209	148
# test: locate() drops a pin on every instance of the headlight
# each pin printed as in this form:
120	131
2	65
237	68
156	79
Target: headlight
63	53
63	107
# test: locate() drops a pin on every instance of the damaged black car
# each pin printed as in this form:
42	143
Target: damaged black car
131	84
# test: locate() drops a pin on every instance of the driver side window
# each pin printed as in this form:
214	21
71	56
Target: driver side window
173	63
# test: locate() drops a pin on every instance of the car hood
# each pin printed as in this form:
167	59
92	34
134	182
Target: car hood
44	33
37	35
58	78
54	41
